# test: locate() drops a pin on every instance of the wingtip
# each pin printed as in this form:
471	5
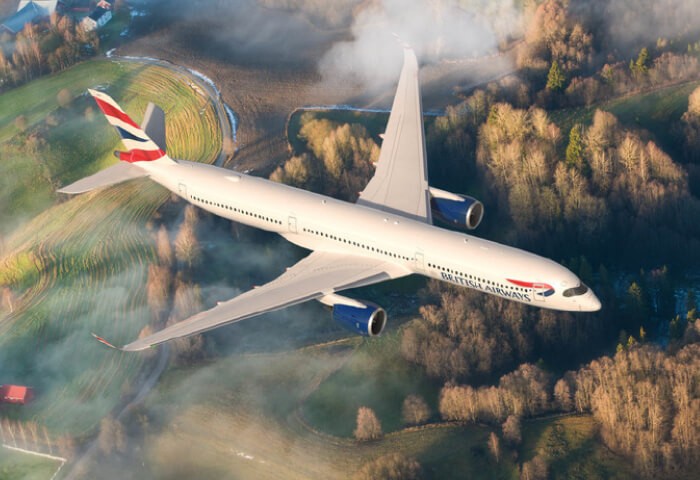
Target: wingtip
105	342
402	42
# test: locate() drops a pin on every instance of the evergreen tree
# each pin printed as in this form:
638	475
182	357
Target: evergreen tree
636	303
641	66
555	78
691	303
608	75
585	271
574	152
677	327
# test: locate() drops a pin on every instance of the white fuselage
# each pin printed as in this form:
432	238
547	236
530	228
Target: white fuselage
318	222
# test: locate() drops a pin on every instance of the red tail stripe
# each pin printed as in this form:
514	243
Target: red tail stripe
142	155
111	111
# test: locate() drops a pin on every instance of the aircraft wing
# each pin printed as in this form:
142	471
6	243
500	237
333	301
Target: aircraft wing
317	275
400	183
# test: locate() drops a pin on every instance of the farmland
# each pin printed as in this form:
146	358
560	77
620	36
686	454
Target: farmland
20	465
78	264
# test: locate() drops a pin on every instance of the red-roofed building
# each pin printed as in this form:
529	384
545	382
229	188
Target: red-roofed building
16	394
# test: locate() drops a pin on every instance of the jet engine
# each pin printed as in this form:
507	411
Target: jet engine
461	210
359	316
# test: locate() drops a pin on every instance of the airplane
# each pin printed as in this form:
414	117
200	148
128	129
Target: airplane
387	233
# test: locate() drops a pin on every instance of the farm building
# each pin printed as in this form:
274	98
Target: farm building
16	394
98	17
30	13
49	6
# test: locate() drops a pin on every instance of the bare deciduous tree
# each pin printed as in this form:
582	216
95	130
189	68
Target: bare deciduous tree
111	437
368	425
187	248
562	395
164	248
535	469
494	446
511	430
390	467
414	410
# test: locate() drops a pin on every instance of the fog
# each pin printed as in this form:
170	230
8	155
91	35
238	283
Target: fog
629	24
436	30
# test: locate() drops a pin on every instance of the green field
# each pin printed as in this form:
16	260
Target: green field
572	448
249	414
78	264
242	414
16	465
656	111
376	376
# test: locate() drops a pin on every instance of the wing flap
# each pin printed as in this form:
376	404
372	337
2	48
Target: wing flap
319	274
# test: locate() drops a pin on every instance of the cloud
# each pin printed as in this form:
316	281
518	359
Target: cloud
436	29
632	23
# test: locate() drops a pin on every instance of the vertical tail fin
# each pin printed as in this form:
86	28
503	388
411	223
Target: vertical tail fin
141	148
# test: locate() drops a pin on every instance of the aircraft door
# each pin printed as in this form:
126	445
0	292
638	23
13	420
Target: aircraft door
420	262
292	224
538	290
182	190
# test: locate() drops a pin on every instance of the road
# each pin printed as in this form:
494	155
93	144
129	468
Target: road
78	466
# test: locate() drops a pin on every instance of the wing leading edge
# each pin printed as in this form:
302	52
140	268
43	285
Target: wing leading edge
400	183
317	275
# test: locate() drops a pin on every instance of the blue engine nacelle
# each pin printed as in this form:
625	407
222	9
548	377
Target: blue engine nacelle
368	320
456	209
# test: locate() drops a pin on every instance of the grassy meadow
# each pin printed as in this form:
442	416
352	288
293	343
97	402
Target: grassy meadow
249	414
654	111
14	465
77	265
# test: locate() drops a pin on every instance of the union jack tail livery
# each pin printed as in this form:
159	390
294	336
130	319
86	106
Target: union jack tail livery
145	144
139	145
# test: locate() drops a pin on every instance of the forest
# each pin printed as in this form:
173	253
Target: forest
563	171
47	47
604	197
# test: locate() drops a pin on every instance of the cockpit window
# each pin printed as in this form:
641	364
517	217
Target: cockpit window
576	291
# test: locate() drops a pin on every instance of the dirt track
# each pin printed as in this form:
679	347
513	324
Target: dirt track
265	76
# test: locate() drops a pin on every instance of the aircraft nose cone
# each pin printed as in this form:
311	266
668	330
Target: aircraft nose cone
590	303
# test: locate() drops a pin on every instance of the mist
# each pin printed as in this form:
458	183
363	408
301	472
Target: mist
630	24
436	30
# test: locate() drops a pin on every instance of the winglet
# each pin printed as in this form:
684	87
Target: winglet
403	43
102	340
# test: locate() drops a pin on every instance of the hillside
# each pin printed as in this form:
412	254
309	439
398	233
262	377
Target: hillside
75	265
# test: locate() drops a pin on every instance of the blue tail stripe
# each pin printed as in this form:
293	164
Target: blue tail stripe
128	136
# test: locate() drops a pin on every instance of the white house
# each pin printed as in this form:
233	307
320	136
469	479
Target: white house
98	17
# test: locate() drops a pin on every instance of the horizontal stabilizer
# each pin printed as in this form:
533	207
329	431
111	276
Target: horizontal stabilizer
118	173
